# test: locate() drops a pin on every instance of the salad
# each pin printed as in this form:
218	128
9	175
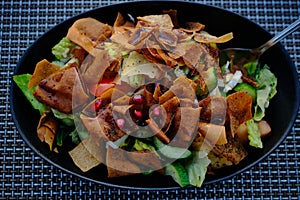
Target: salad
148	95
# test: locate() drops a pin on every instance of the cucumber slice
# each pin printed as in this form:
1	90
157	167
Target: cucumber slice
170	151
178	173
246	88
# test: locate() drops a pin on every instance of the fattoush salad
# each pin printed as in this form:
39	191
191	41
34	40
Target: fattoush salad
148	95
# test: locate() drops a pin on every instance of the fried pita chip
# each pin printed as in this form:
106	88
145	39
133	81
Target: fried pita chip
152	47
200	143
42	70
88	32
173	14
233	150
88	154
157	131
165	37
216	134
93	69
122	109
118	163
192	27
169	61
184	126
139	35
204	37
239	106
218	161
184	88
122	38
163	21
62	90
146	160
47	128
214	109
119	20
157	93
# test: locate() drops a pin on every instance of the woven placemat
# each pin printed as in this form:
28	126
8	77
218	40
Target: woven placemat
23	174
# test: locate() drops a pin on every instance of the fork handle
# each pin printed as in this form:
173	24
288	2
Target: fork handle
288	30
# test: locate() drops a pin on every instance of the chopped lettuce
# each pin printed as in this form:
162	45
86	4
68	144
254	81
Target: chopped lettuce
267	79
62	49
197	167
253	134
116	144
251	67
139	146
179	174
78	135
232	81
266	91
22	82
59	63
67	119
171	151
114	49
61	134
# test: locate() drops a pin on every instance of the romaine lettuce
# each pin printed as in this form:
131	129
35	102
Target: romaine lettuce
253	134
22	82
197	167
67	119
62	49
266	91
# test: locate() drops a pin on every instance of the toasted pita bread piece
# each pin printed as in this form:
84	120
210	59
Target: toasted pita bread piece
157	131
204	37
47	128
233	150
42	70
145	160
94	67
163	20
216	134
200	143
103	124
62	90
218	161
185	126
214	109
192	27
88	32
118	163
89	153
239	108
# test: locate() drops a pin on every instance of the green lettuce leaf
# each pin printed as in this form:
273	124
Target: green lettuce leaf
253	134
139	146
179	174
67	119
78	135
22	82
62	49
197	168
266	91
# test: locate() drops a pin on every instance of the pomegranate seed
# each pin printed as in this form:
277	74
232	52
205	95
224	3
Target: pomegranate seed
138	113
120	122
156	111
138	99
97	105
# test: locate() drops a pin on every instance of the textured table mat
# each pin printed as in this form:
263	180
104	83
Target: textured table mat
23	174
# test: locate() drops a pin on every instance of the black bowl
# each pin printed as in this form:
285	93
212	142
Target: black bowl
280	114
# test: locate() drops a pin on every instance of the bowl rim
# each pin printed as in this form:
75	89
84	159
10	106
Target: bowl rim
73	18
